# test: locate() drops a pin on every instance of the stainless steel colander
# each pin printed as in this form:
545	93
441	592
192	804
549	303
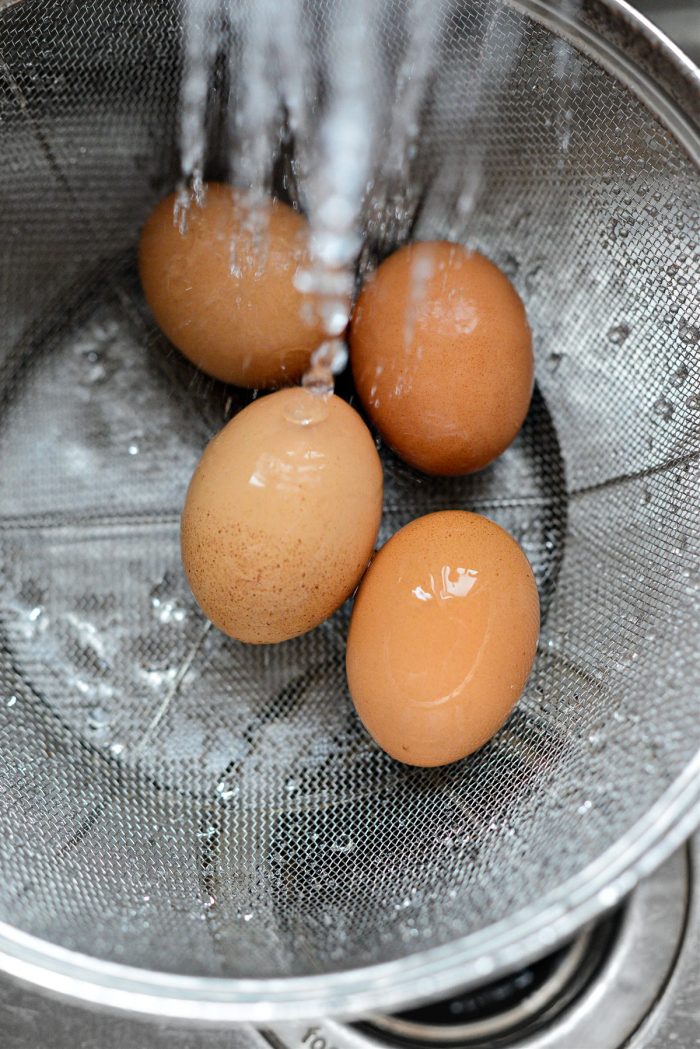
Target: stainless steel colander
195	828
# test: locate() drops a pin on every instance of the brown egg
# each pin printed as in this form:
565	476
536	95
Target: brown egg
282	515
441	354
250	327
442	637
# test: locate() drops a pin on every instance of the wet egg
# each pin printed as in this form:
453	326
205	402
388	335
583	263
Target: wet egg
441	355
224	290
442	637
281	515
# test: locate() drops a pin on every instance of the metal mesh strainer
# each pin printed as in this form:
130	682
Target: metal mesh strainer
213	813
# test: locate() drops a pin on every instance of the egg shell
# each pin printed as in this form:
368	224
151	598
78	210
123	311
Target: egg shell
249	326
442	637
441	356
281	515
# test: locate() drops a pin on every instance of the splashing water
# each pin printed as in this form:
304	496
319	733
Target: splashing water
394	199
566	69
200	44
457	184
336	130
271	90
254	119
338	183
422	270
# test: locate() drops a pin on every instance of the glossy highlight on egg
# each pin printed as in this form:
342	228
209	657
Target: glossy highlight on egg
442	638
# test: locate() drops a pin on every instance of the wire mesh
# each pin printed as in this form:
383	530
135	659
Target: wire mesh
178	801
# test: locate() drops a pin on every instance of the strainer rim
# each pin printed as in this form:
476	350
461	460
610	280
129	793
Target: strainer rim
418	977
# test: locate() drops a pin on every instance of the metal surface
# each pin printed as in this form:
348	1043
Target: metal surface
200	830
678	19
632	996
503	1021
620	998
675	1020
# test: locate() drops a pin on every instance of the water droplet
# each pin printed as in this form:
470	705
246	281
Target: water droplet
133	448
166	605
116	749
693	401
11	701
554	360
585	807
689	333
597	742
533	276
680	375
98	719
306	408
663	408
227	791
96	373
510	266
247	917
619	334
157	678
343	845
340	358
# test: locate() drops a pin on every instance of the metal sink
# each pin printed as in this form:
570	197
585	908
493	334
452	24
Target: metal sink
679	21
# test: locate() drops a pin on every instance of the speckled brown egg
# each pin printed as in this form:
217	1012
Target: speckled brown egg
441	355
281	515
442	637
224	294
